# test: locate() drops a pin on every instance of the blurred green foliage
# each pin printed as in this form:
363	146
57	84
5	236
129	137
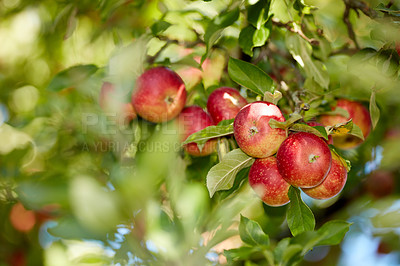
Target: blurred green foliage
106	193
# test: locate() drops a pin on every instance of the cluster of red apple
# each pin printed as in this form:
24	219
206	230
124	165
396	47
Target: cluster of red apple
283	158
302	159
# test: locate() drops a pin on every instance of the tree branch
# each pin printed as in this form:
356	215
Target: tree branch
290	26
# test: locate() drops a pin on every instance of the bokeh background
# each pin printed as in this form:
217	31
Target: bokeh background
79	188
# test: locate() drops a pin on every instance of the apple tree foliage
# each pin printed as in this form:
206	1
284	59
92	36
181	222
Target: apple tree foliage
129	192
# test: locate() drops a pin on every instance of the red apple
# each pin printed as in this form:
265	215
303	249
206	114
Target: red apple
314	124
111	101
159	95
304	160
22	219
360	116
398	48
268	183
253	133
191	120
333	183
380	183
224	103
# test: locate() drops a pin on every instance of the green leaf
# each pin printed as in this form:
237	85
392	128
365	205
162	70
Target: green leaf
299	216
159	27
318	130
272	98
246	39
257	14
333	232
286	124
238	254
251	232
130	151
202	136
347	127
216	26
301	51
346	163
226	122
374	110
250	76
222	175
280	249
69	228
71	77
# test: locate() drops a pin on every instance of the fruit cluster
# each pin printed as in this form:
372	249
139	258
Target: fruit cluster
283	158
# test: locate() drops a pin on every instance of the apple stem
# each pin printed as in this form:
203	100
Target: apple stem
253	130
312	158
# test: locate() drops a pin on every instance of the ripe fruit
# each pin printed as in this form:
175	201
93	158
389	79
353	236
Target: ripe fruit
360	116
159	95
224	103
380	183
314	124
191	120
304	160
268	183
333	183
253	133
111	101
21	219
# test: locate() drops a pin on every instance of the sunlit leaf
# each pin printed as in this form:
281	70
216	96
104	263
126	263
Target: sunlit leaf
222	175
301	52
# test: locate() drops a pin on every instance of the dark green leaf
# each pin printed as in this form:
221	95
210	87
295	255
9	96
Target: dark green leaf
222	175
374	110
257	14
246	39
159	27
249	76
299	216
71	77
251	232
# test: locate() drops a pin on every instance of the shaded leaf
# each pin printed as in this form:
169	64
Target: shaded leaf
320	131
222	175
202	136
286	124
299	216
